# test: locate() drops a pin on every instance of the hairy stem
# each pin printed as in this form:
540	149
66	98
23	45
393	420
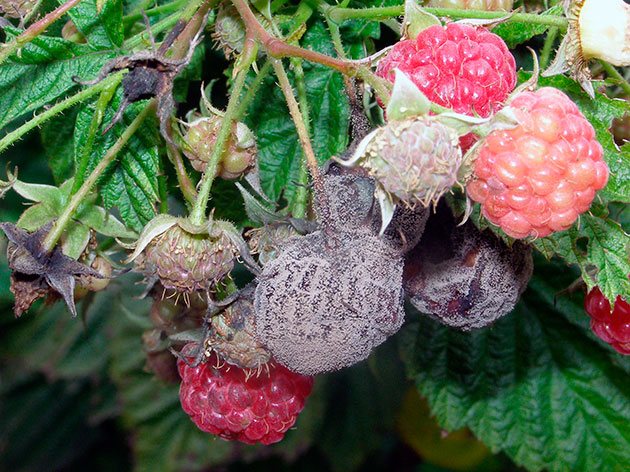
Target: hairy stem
183	179
60	224
35	30
550	40
95	124
198	213
614	74
155	11
307	148
110	81
300	201
339	15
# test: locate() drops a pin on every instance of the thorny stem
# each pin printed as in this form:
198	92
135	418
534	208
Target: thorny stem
35	30
60	224
252	90
246	59
110	81
159	10
338	15
276	48
613	73
183	179
300	202
296	115
95	124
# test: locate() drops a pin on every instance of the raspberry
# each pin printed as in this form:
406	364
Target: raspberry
612	326
462	277
467	69
415	161
233	405
538	177
488	5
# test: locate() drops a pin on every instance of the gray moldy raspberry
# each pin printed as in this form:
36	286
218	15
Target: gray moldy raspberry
465	278
323	305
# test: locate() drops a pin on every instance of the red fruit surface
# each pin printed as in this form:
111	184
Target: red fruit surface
612	326
465	68
537	178
225	402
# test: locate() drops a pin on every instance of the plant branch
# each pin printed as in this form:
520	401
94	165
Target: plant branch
60	224
550	40
183	179
338	15
35	30
247	58
110	81
614	74
300	201
296	115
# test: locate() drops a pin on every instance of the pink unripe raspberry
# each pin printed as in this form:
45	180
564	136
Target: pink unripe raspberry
467	69
239	405
537	178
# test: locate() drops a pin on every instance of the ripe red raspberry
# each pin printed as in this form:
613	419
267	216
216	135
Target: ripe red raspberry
467	69
239	406
612	326
538	177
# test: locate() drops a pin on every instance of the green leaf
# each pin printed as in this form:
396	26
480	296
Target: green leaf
130	183
279	150
102	29
514	33
533	385
597	243
42	73
58	144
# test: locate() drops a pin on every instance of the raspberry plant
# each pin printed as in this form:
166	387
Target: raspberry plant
208	202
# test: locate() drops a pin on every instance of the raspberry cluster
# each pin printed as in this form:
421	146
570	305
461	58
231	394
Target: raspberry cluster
228	402
467	69
612	326
537	178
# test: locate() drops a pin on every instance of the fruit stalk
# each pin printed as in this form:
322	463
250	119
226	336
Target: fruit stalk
60	224
246	59
338	15
35	29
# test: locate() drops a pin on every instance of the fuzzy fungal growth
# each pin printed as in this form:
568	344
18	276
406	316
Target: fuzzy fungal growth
350	193
415	161
320	308
465	278
232	334
188	262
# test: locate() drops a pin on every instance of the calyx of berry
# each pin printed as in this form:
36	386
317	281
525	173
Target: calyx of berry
416	19
597	29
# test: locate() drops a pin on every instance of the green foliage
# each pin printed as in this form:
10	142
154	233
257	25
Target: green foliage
102	28
557	390
515	33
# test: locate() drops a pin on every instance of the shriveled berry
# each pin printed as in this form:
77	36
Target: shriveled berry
536	178
465	68
462	277
612	326
225	401
324	304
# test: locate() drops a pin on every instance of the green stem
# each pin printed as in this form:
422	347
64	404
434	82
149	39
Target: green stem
35	30
159	10
198	213
86	150
60	224
613	73
252	90
339	15
110	81
550	40
300	201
